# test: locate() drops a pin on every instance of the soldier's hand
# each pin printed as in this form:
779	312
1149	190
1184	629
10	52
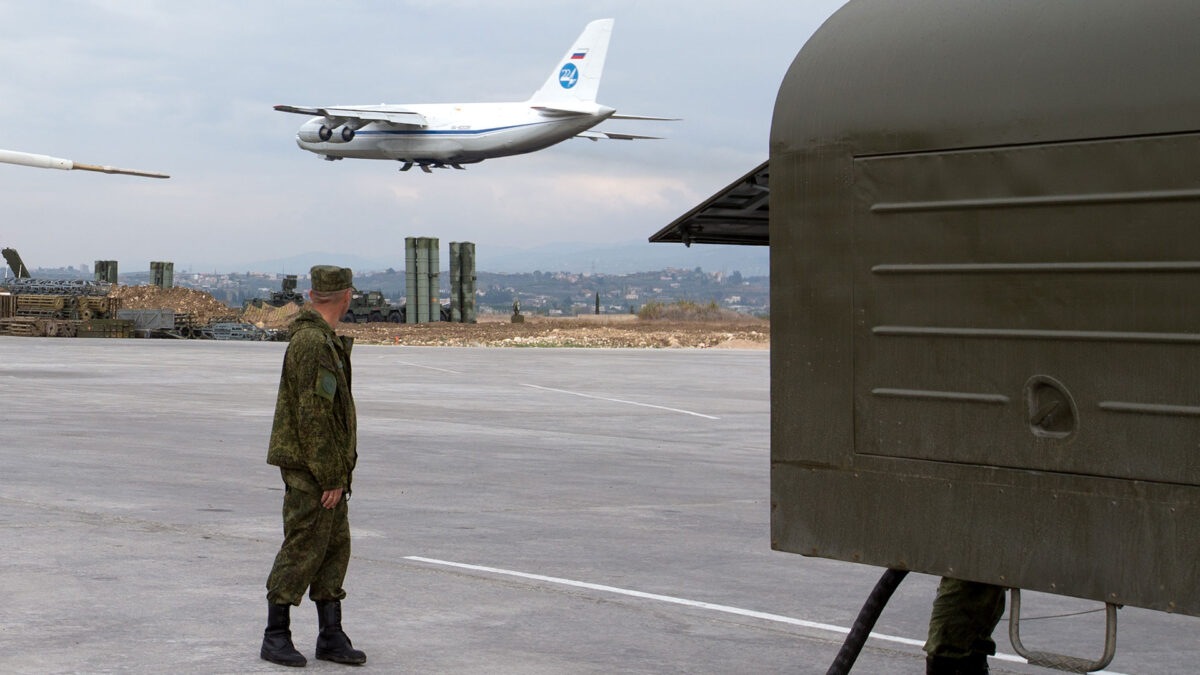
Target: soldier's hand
330	498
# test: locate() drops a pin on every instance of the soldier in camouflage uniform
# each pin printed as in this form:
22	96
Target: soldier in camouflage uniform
313	442
960	628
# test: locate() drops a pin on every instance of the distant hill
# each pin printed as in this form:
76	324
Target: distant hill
625	258
619	258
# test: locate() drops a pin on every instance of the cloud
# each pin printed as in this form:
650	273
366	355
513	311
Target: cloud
620	193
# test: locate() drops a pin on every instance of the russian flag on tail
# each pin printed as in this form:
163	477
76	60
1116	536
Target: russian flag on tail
579	55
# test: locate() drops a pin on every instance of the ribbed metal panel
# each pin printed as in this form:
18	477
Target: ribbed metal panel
106	271
984	257
467	291
410	279
162	274
421	301
455	283
434	270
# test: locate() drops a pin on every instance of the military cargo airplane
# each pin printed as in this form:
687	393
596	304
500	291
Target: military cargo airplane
449	135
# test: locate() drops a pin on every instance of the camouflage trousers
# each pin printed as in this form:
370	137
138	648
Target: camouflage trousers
315	550
964	615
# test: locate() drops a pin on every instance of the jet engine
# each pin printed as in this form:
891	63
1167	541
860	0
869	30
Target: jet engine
323	134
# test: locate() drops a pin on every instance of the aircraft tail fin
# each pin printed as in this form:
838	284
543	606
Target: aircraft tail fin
577	76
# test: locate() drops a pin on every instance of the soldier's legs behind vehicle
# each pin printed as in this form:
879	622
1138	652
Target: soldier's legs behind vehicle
315	550
964	615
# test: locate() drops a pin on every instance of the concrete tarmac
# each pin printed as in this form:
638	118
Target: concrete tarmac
514	511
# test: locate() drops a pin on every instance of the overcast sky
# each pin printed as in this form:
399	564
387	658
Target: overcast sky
186	88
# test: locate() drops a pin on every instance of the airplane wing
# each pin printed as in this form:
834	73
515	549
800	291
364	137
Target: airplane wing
616	116
592	109
597	135
391	116
568	109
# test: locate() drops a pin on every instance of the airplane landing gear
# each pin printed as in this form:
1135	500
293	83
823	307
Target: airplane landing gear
427	165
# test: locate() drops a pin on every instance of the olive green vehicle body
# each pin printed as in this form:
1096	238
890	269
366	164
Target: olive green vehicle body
287	295
371	306
985	257
15	263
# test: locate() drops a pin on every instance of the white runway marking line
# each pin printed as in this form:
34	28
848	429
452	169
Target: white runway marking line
765	616
617	400
417	365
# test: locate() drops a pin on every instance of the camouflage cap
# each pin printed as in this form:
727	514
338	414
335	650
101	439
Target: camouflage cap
331	278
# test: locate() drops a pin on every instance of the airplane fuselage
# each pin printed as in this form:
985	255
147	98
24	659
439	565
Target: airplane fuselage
453	133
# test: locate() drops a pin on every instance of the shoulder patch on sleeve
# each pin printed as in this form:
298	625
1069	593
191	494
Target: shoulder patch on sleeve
326	383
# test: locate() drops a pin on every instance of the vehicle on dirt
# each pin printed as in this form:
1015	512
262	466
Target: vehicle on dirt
372	307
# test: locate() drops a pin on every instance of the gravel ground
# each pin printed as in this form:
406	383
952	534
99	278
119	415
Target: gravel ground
629	332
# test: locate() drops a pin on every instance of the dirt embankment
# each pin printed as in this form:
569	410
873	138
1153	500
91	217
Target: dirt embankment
621	330
267	316
183	300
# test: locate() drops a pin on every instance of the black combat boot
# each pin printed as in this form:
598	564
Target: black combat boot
332	643
975	664
277	638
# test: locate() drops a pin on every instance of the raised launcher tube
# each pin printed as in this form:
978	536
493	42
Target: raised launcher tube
15	263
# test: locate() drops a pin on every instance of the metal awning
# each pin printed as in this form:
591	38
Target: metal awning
736	215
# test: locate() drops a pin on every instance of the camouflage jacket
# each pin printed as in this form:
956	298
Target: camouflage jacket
315	435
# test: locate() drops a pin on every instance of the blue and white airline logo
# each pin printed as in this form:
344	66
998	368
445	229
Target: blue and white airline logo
568	76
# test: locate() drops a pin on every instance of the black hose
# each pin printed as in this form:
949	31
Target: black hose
867	617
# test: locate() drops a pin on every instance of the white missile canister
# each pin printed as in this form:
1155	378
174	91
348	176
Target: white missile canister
39	161
48	162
